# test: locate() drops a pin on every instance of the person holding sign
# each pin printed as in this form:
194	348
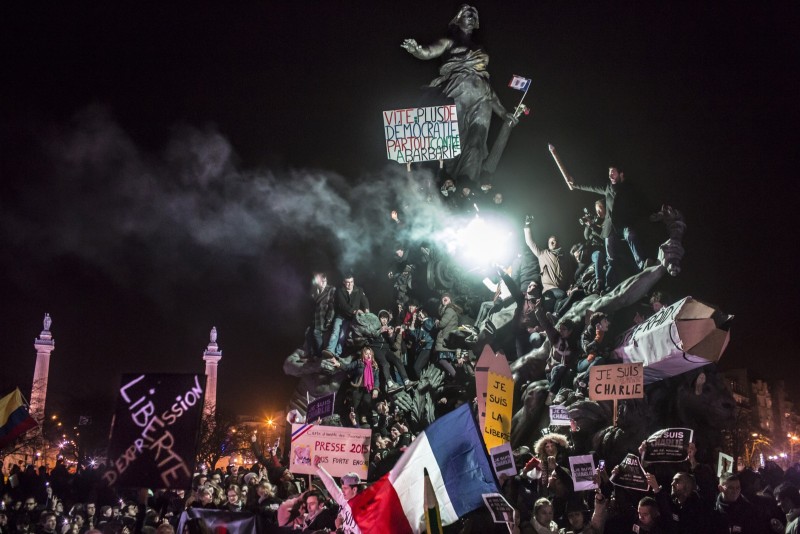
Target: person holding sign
464	78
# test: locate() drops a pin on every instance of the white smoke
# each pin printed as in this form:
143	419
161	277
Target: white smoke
106	196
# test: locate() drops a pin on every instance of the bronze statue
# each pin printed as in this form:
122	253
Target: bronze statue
464	78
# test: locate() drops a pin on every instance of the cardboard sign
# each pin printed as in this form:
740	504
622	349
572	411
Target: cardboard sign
502	512
421	134
630	474
724	464
321	407
668	445
499	397
155	429
503	460
341	450
616	381
676	339
494	386
582	468
559	416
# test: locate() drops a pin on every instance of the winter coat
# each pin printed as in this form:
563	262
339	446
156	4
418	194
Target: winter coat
447	325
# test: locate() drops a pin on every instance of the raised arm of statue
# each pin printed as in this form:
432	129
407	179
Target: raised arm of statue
427	52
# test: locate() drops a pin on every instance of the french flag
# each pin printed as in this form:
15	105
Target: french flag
520	83
453	453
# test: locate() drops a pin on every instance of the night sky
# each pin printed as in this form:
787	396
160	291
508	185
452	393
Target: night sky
168	168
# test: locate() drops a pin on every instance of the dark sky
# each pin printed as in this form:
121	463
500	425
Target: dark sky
169	168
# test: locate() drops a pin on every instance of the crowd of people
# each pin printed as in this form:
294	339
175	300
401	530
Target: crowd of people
416	342
685	497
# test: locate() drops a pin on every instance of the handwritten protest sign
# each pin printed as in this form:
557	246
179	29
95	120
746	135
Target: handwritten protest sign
494	385
502	512
582	468
421	134
668	445
155	429
630	474
498	410
340	450
321	407
503	460
616	381
559	416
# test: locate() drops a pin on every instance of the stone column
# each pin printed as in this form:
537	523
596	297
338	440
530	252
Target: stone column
44	345
211	356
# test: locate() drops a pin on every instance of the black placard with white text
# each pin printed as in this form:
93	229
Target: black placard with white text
155	429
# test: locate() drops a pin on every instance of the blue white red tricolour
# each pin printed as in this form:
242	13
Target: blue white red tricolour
453	453
519	83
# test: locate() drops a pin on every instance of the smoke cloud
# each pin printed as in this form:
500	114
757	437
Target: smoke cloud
107	200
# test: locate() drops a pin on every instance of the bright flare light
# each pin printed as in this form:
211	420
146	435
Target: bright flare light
480	242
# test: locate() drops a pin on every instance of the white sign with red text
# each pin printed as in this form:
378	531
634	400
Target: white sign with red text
340	450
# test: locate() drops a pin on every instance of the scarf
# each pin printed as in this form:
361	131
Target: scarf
369	380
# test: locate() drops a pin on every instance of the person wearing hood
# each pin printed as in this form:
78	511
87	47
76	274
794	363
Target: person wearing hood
552	446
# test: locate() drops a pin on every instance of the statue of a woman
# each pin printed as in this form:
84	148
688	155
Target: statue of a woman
464	78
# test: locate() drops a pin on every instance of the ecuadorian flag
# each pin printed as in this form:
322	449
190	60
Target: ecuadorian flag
14	418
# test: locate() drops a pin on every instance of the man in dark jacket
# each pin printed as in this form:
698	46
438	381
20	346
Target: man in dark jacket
734	513
689	515
322	296
348	301
623	207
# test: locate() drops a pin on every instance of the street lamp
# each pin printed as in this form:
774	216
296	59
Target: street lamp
793	438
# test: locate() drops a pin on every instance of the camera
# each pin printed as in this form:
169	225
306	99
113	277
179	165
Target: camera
586	218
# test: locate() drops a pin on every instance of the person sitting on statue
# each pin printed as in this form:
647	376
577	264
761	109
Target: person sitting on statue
348	302
322	296
419	340
447	193
365	383
557	268
564	352
464	78
623	210
466	199
449	313
594	243
583	280
386	358
598	347
501	296
529	334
